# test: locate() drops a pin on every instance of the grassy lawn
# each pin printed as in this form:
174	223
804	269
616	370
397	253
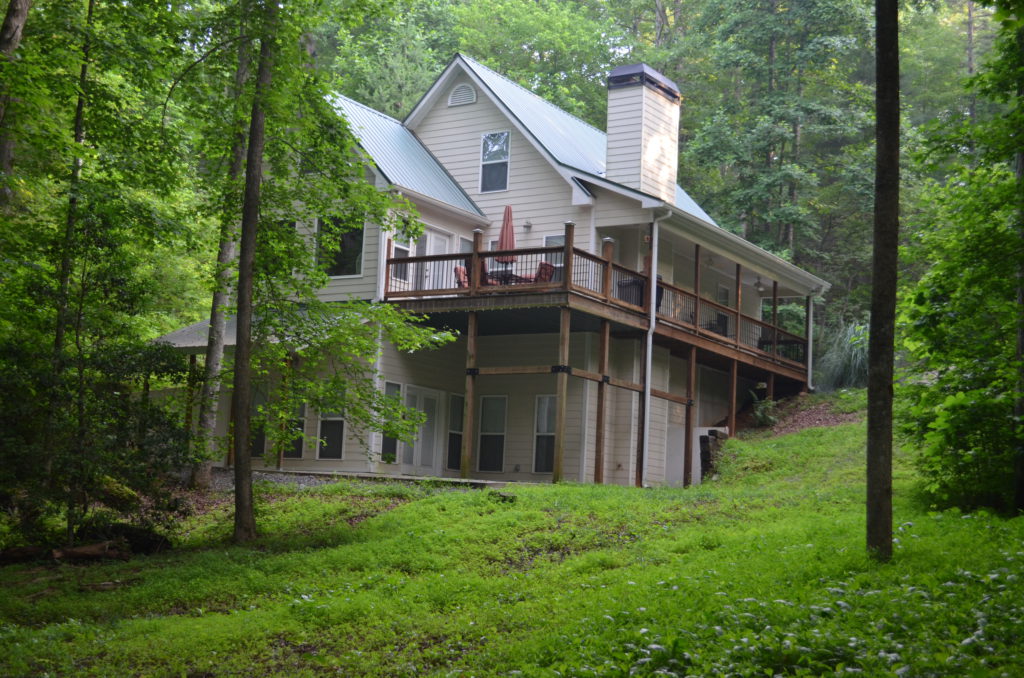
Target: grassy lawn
761	572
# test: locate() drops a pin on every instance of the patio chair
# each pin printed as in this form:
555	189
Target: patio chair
461	277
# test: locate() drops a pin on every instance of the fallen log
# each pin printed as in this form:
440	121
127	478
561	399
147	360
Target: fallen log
22	554
99	551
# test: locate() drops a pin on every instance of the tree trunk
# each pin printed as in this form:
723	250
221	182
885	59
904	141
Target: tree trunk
1018	402
883	290
10	38
245	520
209	399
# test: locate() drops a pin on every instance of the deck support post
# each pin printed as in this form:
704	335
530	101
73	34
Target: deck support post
733	373
691	413
570	230
469	401
607	252
602	398
809	341
561	388
770	387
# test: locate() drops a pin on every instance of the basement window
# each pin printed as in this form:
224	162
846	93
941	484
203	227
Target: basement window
544	434
492	433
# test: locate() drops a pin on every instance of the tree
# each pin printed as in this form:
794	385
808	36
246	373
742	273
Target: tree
883	280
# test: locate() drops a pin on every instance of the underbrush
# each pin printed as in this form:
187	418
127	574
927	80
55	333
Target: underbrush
762	572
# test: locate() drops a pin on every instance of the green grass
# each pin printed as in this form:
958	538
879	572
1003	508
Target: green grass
761	573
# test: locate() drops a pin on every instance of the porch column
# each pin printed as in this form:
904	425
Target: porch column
696	287
733	373
570	230
474	262
387	267
561	390
602	395
691	412
809	340
607	251
775	317
638	471
739	301
770	387
469	402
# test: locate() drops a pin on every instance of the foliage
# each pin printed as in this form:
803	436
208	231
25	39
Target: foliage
761	570
764	411
844	357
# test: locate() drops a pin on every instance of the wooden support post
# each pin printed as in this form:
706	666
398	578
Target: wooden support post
607	252
733	373
696	287
691	413
474	262
769	391
602	397
561	389
739	301
638	471
469	402
387	267
570	230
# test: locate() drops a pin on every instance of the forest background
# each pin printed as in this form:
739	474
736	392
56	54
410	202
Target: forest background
122	173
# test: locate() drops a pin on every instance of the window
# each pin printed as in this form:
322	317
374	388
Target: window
465	245
389	446
462	94
544	434
492	433
347	259
494	162
298	427
400	271
332	436
456	405
723	295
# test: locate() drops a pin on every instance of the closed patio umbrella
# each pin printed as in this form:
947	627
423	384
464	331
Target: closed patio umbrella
507	238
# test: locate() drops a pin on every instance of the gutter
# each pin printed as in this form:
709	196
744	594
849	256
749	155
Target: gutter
651	320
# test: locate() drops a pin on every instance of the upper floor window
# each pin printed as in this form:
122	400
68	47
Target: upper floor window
347	259
494	154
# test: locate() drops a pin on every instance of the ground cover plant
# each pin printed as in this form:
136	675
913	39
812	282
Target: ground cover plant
761	572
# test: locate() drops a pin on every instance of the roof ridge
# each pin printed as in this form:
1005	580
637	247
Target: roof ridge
370	109
474	62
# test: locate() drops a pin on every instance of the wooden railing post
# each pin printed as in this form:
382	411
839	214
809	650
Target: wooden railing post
474	261
739	301
387	267
570	230
696	287
607	252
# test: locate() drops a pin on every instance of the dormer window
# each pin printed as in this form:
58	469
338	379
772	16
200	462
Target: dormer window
494	162
462	94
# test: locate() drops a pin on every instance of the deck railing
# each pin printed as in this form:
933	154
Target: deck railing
560	268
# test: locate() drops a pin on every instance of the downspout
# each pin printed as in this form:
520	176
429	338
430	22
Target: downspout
810	342
651	320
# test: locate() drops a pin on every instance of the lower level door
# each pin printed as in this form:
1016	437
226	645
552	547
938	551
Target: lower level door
422	457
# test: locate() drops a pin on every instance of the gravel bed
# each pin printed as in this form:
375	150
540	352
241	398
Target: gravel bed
224	479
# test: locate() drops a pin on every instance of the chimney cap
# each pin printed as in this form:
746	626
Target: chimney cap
642	74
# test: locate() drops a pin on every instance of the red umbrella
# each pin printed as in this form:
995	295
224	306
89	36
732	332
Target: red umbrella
507	238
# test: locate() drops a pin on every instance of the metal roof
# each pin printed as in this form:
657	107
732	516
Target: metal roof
400	155
568	139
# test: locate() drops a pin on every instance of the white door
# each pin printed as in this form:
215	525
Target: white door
436	275
422	457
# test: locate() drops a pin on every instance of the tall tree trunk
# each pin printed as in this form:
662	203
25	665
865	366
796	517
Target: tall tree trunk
883	289
209	399
1018	403
10	38
245	520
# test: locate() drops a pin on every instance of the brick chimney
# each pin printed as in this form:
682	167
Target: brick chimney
643	131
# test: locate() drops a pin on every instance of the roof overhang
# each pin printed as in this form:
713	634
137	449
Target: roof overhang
456	213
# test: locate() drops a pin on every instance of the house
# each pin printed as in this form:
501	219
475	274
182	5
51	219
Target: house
573	361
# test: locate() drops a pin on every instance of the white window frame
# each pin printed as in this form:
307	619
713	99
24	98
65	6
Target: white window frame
330	416
481	433
507	161
537	433
461	432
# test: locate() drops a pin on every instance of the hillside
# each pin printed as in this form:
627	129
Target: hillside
759	572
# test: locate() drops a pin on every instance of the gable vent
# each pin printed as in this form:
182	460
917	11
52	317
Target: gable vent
463	94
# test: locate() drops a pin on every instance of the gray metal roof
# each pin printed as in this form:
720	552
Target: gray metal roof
568	139
398	153
193	338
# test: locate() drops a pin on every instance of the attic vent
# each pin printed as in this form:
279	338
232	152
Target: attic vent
462	95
